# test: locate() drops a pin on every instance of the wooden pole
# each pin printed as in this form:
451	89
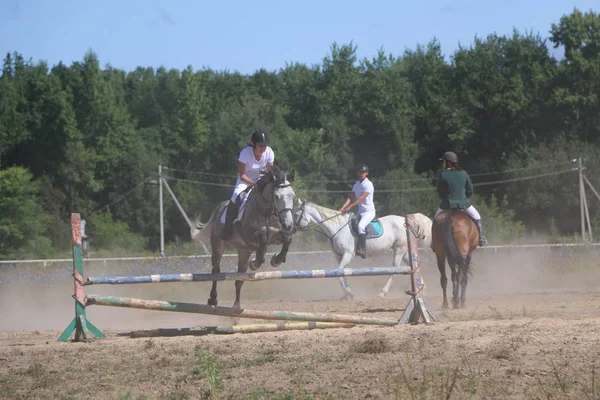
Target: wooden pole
159	305
587	215
591	187
160	206
232	329
416	310
582	212
80	324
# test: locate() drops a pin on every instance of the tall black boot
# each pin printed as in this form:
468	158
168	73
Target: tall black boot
361	247
232	210
482	240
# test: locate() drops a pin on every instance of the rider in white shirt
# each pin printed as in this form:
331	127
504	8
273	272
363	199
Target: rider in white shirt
362	195
253	159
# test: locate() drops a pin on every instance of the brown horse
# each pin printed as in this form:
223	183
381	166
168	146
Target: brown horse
454	237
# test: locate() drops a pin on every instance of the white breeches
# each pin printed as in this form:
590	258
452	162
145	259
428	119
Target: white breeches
365	219
239	188
471	211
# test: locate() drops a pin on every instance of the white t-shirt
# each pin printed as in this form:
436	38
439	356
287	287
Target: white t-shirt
253	167
359	188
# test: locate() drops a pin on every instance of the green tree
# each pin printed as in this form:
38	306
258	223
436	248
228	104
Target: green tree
23	222
577	87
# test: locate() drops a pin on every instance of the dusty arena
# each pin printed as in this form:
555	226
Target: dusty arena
530	331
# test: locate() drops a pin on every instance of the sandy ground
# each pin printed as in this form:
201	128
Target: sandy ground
528	332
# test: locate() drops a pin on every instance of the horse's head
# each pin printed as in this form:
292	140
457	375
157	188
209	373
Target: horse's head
276	189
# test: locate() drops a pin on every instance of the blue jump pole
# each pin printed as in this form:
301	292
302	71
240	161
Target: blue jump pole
253	276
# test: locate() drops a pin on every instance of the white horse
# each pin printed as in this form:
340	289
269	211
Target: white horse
336	226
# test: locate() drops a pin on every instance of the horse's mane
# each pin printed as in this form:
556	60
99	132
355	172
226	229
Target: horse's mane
326	213
278	173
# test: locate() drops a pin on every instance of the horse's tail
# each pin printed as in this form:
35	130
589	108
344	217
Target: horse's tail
452	252
202	230
198	231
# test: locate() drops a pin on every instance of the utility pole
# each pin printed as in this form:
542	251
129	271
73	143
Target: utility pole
580	172
585	212
160	202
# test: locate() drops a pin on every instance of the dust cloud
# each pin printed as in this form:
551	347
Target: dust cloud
39	298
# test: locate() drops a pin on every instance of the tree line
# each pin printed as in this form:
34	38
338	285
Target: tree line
85	138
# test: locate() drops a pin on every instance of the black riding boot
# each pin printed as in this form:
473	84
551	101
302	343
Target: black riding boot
482	240
232	210
361	248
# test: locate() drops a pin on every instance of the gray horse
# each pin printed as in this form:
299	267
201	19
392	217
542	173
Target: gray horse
266	219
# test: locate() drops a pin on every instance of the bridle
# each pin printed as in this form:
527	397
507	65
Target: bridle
272	209
300	216
275	211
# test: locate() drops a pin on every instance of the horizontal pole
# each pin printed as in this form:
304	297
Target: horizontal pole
231	329
158	305
251	276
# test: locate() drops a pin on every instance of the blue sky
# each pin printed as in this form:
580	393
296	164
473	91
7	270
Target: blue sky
244	36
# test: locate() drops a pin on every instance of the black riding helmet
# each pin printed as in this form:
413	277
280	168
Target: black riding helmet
259	137
363	167
450	156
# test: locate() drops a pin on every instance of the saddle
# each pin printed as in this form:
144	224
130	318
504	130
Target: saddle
240	201
372	231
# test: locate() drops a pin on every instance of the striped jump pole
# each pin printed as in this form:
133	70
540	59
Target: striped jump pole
159	305
231	329
251	276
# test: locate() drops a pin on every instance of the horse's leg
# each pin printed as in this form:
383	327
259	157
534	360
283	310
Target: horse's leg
464	282
441	262
282	255
386	287
218	247
260	252
397	262
456	272
342	262
243	257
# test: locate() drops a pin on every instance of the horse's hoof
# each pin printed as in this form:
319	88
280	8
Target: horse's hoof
445	307
382	295
236	306
274	262
213	302
347	296
254	265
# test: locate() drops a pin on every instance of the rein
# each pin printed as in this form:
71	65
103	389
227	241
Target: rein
318	228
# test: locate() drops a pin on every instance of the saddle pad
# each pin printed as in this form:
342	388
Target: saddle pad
372	231
244	197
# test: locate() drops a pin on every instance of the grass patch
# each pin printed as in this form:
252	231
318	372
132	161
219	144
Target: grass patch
130	396
263	394
208	368
371	345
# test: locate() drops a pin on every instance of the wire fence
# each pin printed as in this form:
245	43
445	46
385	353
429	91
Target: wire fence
48	262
